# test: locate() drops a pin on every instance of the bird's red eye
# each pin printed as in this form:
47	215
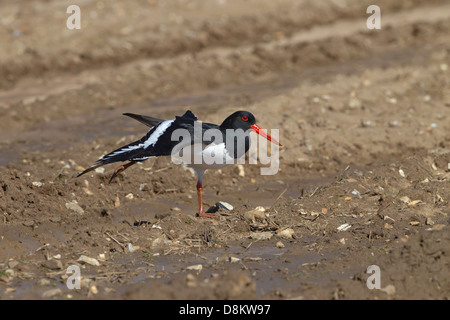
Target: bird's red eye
245	118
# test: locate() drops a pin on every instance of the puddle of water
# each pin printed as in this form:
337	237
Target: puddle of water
271	268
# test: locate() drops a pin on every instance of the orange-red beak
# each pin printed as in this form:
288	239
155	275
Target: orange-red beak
260	131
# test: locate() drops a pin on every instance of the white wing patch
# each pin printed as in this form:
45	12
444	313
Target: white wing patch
152	139
159	131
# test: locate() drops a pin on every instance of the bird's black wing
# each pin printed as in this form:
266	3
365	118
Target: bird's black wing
151	121
157	142
147	120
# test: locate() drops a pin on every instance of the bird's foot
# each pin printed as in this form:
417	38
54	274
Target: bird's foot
116	173
120	169
206	215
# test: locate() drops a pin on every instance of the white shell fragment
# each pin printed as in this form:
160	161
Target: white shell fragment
196	267
225	205
132	248
88	260
356	193
234	259
344	227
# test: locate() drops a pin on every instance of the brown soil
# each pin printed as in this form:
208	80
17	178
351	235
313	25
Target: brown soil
363	117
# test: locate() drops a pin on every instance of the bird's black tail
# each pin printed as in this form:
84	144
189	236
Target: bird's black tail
131	152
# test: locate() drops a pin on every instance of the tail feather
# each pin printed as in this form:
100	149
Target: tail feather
147	120
131	152
95	166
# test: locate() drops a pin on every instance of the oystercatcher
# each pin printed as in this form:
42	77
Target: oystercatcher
211	144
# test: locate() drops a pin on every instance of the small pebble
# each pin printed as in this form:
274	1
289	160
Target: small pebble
74	206
393	124
88	260
429	221
53	264
405	199
354	103
414	202
117	202
389	289
241	170
55	219
28	223
196	267
257	213
286	234
261	235
93	290
366	123
88	192
9	272
392	100
100	170
52	293
44	282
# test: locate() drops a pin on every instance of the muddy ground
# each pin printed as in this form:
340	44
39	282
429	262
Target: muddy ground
363	175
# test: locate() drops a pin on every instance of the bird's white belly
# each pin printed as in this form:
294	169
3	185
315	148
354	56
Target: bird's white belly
212	156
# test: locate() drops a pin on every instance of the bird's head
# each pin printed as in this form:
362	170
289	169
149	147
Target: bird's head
245	120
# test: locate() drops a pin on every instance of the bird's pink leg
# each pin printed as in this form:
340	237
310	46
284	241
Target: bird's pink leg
120	169
200	202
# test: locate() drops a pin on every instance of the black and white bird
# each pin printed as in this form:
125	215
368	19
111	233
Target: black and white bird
192	141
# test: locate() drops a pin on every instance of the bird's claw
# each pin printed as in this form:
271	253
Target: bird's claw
120	169
206	215
116	173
